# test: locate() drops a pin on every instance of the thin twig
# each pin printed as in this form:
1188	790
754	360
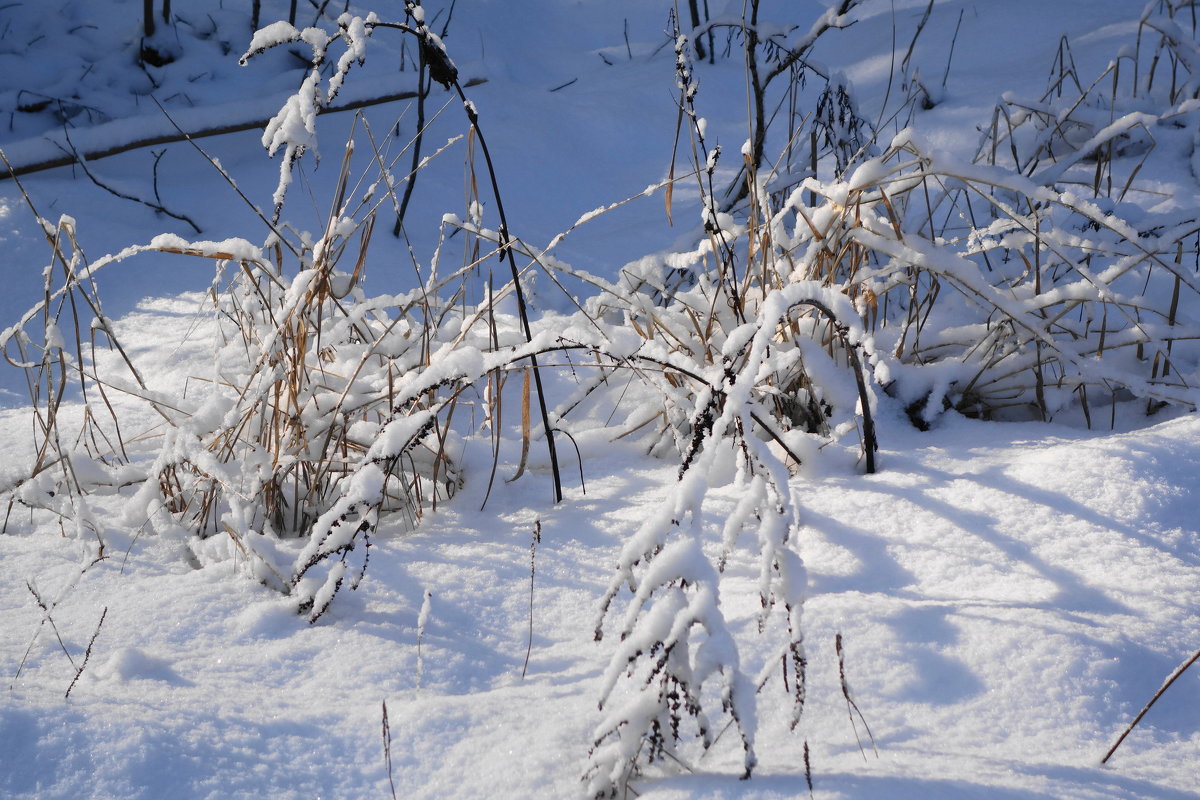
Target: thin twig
157	207
537	538
1182	668
808	770
87	654
387	750
851	706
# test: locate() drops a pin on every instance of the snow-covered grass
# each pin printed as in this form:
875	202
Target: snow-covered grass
759	421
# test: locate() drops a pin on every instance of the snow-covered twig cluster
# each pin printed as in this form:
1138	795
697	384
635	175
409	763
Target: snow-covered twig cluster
294	128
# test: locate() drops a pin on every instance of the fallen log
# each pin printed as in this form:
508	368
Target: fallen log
19	169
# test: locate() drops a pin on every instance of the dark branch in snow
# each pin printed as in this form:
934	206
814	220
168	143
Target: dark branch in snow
18	169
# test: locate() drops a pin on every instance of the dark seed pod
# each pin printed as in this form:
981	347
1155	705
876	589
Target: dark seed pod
441	68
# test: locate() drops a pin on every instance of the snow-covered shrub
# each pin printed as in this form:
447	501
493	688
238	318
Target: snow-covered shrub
758	365
674	636
993	290
324	409
307	372
775	50
1100	131
1084	287
816	281
1016	285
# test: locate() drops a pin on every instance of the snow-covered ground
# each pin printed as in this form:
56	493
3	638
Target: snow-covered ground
1007	595
998	635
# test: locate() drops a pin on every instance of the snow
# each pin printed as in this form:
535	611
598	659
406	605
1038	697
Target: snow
998	636
1007	595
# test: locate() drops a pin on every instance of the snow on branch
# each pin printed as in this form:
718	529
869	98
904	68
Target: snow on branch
293	128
